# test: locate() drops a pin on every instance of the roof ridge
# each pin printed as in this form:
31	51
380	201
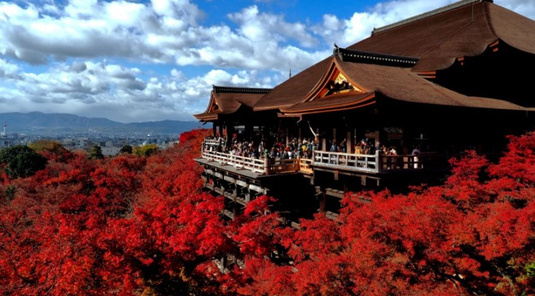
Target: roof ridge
428	14
235	89
348	55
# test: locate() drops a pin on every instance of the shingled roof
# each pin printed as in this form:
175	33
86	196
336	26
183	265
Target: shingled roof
465	28
227	100
431	41
393	82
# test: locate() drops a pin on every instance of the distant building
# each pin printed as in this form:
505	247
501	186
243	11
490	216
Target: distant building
82	142
110	150
5	139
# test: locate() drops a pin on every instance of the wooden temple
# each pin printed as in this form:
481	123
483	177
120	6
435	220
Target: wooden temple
385	112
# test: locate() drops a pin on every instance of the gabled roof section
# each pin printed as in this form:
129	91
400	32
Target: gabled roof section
333	83
336	91
293	90
404	85
315	81
395	83
465	28
227	100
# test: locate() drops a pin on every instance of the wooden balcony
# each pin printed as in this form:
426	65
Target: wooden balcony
365	163
375	163
361	163
263	166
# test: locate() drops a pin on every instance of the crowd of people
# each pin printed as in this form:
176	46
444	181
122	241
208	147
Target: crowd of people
294	149
259	150
304	149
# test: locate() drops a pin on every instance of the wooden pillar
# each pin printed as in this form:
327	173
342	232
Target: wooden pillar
248	132
247	194
229	134
266	165
349	146
377	137
300	135
323	201
317	138
322	198
334	135
287	137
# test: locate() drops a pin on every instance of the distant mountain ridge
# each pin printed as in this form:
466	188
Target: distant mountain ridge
62	123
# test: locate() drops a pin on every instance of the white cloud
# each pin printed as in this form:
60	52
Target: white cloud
162	32
8	70
102	89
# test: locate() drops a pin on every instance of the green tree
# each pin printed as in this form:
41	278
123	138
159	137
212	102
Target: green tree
530	269
96	152
145	150
21	161
126	149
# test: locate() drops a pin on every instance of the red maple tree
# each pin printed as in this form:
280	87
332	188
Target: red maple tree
142	225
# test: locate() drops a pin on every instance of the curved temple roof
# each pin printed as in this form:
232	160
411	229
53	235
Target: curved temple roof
429	42
227	100
393	82
465	28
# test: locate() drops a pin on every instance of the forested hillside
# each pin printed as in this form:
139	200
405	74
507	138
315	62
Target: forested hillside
141	225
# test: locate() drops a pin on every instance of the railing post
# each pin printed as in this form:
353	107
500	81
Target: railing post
266	165
378	161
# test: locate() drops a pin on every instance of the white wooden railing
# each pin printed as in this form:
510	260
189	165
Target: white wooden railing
239	162
359	162
375	163
212	142
365	163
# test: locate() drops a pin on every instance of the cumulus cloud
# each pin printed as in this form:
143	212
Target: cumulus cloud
102	89
8	70
97	58
163	31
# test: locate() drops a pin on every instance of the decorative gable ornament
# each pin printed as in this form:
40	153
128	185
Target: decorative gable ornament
333	83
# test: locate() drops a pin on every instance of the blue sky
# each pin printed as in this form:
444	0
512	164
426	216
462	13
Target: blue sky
133	61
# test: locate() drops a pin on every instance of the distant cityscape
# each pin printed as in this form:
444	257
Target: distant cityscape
83	133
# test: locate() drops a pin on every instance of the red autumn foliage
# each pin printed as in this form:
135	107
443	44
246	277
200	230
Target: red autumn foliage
132	225
473	235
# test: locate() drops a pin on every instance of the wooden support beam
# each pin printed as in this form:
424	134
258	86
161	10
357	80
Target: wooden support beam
335	192
229	179
242	183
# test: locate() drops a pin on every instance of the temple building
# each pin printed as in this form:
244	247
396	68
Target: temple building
385	112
